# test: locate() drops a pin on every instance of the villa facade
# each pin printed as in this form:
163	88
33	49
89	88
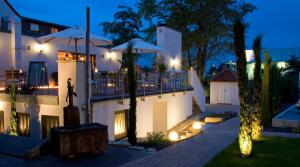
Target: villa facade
160	105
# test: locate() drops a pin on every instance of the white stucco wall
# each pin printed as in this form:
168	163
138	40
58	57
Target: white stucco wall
232	87
36	106
179	107
171	43
104	63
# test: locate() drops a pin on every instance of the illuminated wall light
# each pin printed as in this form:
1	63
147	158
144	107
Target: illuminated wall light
96	70
174	63
111	56
41	48
197	125
173	136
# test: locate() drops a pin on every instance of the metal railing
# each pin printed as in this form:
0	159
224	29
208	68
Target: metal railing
110	84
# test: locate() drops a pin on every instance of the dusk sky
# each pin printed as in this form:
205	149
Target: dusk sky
278	20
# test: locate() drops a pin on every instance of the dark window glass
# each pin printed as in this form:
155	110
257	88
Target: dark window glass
37	74
34	27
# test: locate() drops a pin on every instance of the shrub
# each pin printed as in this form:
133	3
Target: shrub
154	138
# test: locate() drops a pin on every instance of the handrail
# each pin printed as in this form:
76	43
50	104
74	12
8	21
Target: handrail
117	83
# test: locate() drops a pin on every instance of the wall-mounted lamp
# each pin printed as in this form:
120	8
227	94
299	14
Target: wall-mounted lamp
96	70
110	56
174	63
40	48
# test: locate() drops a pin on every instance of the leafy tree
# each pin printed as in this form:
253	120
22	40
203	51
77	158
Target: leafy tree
13	112
205	24
125	26
245	139
132	83
266	91
257	91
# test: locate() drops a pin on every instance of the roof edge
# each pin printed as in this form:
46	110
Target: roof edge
12	8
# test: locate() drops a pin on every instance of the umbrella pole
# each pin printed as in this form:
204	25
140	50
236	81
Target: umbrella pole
76	54
88	71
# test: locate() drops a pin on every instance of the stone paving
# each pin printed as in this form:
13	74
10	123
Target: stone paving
196	151
113	156
17	146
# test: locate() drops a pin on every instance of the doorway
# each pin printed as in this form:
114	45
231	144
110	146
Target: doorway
160	122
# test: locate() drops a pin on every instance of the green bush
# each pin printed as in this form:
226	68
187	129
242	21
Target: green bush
154	138
296	130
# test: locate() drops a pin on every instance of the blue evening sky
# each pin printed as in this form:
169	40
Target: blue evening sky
278	20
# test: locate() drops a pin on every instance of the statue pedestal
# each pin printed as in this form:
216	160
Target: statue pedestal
71	116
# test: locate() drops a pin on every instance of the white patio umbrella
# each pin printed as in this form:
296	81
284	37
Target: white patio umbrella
74	36
138	46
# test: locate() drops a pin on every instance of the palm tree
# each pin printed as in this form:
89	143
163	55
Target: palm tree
257	91
132	84
245	140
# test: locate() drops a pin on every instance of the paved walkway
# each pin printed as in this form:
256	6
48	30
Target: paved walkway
113	156
196	151
17	146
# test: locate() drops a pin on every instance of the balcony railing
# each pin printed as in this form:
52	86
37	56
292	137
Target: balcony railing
116	84
20	80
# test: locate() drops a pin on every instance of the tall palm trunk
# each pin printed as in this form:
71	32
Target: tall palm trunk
245	140
257	92
132	84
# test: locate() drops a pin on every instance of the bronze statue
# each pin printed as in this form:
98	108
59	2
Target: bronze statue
70	93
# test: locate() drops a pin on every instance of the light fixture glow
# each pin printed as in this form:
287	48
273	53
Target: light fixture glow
173	136
42	48
197	125
174	63
96	70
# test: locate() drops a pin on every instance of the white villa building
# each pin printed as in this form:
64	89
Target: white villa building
42	70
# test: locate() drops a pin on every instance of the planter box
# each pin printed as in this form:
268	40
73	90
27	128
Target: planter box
71	141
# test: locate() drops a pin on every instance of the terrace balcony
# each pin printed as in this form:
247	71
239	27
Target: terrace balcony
106	86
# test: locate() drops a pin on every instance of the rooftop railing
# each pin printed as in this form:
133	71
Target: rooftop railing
116	84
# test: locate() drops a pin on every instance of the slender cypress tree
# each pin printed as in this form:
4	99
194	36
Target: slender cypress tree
132	84
257	94
245	139
266	91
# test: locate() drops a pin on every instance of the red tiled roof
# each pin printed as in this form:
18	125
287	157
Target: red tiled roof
225	76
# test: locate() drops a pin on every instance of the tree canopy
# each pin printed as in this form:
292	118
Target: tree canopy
205	25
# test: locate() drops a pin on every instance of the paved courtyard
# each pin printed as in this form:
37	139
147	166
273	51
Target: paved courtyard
113	156
196	151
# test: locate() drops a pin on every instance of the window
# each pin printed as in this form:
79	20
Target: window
121	124
37	75
23	124
49	122
34	27
1	122
54	30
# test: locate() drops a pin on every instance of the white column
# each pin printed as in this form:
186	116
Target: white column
16	42
171	43
76	71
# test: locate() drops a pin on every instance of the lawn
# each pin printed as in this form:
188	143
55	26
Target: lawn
271	151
